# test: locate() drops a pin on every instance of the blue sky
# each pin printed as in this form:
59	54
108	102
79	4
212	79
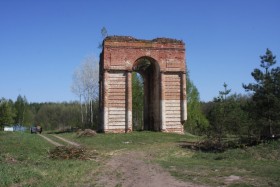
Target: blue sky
42	42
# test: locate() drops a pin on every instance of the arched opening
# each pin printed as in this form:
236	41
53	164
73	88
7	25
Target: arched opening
148	68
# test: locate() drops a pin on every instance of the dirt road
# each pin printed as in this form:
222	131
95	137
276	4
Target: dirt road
131	169
135	169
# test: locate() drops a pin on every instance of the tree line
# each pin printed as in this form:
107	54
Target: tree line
51	116
255	115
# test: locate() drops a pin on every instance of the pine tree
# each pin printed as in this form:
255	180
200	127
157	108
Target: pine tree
220	115
265	105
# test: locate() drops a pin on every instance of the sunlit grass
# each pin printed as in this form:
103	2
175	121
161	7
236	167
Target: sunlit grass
256	166
24	160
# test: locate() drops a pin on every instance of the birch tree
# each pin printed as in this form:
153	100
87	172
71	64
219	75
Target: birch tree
85	86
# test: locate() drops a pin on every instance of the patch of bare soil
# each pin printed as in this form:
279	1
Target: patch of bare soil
232	178
68	152
135	169
73	152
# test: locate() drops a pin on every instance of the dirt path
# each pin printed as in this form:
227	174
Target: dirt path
58	144
67	141
131	169
135	169
50	140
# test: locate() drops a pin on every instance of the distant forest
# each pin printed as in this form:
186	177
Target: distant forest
51	116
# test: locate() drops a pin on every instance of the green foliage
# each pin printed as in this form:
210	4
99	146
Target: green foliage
255	116
20	108
51	116
223	94
29	116
220	117
196	122
137	101
238	117
143	65
59	116
264	107
6	113
226	115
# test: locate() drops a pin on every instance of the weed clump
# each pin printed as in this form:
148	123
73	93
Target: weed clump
211	145
86	132
68	152
205	146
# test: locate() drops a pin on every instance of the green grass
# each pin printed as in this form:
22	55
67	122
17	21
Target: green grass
130	141
257	166
24	160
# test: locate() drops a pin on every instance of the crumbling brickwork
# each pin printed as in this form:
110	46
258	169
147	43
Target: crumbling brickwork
161	62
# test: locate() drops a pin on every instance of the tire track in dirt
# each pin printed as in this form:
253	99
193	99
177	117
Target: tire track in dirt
50	140
67	141
59	144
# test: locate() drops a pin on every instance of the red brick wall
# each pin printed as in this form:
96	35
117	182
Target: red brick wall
118	59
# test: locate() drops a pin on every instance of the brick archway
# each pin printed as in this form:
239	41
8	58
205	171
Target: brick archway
161	62
150	71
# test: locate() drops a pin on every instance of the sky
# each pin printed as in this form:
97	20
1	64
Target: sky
42	42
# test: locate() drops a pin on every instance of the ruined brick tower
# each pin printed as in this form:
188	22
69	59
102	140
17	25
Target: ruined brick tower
161	62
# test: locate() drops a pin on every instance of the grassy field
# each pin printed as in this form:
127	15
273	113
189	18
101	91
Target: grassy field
25	162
